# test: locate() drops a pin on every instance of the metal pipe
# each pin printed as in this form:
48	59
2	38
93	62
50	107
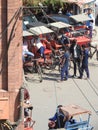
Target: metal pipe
15	124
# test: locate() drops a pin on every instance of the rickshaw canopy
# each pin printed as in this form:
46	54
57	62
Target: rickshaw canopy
74	110
27	33
81	17
40	30
59	25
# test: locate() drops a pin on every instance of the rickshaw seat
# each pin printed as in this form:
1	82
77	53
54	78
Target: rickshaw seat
55	45
28	128
78	125
47	51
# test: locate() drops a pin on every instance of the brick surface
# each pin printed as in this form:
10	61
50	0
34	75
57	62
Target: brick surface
3	62
11	55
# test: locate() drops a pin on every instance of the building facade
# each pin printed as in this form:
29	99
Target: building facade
11	77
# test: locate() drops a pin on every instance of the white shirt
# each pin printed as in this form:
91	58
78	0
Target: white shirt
75	52
25	46
37	42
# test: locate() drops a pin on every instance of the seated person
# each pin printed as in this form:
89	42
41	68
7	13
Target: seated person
28	122
57	121
64	39
36	42
26	52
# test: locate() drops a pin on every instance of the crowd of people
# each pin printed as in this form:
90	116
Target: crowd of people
73	51
79	56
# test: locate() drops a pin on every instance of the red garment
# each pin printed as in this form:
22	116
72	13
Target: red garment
26	94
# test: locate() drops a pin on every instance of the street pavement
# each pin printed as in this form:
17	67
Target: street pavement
45	96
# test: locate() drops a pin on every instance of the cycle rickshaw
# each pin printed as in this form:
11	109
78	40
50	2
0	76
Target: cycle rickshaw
28	121
80	115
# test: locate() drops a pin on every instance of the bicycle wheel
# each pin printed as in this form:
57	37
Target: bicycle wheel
97	55
94	33
1	126
5	126
55	62
39	71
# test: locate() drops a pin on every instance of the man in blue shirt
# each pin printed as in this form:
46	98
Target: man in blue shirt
69	13
90	23
57	121
65	64
85	62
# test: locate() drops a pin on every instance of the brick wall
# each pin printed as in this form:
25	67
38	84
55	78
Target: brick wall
11	55
3	46
15	45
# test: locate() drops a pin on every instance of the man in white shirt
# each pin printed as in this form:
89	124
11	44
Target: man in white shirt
36	42
76	53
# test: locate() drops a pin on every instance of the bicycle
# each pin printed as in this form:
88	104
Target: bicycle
86	32
32	66
94	33
4	125
94	52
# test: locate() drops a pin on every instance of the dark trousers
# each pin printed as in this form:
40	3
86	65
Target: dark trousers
91	30
84	68
76	63
41	51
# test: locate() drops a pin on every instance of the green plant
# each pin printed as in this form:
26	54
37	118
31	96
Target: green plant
28	2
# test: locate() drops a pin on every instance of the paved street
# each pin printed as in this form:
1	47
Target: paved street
47	95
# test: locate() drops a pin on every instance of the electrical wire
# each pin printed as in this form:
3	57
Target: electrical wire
55	94
58	118
16	13
85	96
92	85
16	16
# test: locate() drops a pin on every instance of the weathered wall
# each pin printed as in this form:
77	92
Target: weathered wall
11	55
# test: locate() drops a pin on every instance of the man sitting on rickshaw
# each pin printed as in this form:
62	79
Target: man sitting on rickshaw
40	48
58	120
26	52
64	40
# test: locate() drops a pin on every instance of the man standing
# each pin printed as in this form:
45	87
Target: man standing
85	62
76	53
91	23
65	65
